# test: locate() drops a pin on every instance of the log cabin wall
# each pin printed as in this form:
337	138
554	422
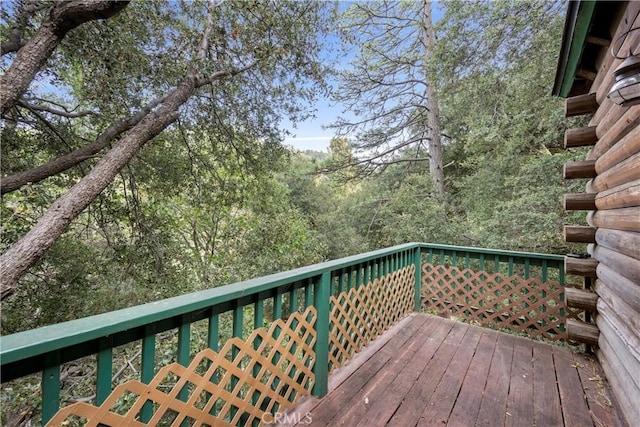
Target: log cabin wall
611	202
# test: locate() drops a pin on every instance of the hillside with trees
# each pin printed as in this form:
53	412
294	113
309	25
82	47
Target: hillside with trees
142	155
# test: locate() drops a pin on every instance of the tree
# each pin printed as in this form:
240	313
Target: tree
388	86
212	65
495	64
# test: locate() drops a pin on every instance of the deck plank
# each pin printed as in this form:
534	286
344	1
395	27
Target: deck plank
380	403
546	401
411	408
574	410
346	394
467	405
597	392
494	401
436	371
444	397
519	402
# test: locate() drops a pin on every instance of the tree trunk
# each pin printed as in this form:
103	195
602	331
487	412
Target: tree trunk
64	16
433	111
60	164
23	254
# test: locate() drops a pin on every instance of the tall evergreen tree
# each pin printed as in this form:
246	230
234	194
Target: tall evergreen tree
388	86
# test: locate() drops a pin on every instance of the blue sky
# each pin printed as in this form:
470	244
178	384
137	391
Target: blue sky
310	135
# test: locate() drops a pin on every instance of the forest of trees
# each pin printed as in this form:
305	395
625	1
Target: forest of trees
142	154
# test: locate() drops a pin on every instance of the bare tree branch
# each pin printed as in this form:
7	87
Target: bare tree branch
63	17
62	113
69	160
25	10
23	254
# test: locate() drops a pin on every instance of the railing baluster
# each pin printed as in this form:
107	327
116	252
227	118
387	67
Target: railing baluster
277	304
527	268
321	365
293	299
50	386
237	326
258	314
214	330
184	338
258	322
341	281
496	263
184	349
359	276
510	266
148	368
543	309
417	296
104	370
308	296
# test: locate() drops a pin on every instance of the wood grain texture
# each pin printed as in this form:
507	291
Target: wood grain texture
625	242
622	196
486	376
580	169
580	104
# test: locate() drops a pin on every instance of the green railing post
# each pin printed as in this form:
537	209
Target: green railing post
321	295
417	261
104	370
148	368
50	386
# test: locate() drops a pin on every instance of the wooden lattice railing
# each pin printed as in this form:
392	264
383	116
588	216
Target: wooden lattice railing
516	292
247	379
236	353
252	349
361	314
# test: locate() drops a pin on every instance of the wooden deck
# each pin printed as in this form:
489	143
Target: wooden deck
430	371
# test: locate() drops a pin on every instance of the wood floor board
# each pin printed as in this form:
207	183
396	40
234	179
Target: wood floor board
467	405
546	400
493	408
575	411
411	408
344	396
433	371
439	407
379	404
519	402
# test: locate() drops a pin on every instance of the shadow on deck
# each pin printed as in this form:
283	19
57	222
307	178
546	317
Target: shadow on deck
431	371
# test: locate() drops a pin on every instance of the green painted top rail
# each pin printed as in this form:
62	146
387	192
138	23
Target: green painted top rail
37	342
502	254
54	337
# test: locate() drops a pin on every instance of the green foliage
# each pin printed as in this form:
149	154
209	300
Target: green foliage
198	206
216	199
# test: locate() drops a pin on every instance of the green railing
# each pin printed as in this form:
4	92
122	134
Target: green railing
244	311
515	291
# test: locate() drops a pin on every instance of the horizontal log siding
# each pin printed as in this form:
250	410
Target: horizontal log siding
617	220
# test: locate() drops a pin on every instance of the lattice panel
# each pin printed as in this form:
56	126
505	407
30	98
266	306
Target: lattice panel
361	314
266	373
496	300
